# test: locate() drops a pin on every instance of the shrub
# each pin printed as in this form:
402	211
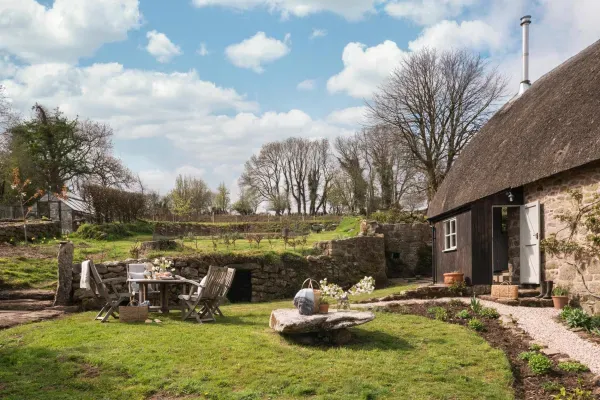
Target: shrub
595	322
463	314
455	303
488	312
113	230
476	325
577	318
551	386
565	312
572	366
526	355
438	313
475	305
535	347
539	364
560	291
577	393
395	216
458	288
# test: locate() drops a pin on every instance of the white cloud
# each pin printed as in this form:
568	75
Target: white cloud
427	12
352	116
135	102
317	33
253	52
307	85
161	47
203	50
162	181
365	68
474	35
349	9
66	31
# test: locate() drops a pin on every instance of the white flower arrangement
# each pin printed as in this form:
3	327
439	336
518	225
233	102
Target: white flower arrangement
333	291
162	265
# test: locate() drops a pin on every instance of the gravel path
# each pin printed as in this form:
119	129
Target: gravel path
539	324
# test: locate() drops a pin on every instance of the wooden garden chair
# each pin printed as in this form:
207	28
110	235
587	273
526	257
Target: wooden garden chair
109	291
223	292
197	300
136	271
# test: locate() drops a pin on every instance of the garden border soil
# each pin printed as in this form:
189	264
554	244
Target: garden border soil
526	384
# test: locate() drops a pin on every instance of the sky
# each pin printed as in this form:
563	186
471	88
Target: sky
195	87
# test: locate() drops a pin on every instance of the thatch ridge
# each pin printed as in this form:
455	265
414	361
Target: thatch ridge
553	127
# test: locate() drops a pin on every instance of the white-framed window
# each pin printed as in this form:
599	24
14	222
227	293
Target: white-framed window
450	234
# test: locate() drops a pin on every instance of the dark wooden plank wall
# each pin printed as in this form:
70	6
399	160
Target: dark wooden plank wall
459	259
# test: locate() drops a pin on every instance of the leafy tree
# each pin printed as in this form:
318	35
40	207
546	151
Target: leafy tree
59	151
190	195
247	203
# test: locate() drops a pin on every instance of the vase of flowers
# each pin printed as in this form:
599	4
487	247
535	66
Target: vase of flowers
333	291
162	268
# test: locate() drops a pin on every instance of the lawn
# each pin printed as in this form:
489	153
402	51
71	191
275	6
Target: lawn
35	265
239	357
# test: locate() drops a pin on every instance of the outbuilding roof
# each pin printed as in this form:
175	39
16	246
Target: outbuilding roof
553	127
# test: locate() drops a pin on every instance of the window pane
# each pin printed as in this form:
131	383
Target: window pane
453	237
453	226
447	244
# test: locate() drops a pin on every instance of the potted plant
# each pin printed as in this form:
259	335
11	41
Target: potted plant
324	306
560	297
452	277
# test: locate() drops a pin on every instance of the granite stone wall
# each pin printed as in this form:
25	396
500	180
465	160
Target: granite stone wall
405	245
554	198
273	277
514	241
11	232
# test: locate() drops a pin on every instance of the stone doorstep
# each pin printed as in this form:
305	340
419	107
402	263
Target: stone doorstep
9	319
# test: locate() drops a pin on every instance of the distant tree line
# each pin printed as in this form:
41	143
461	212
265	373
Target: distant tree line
419	121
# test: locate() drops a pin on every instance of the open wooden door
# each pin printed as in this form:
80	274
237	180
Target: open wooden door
530	243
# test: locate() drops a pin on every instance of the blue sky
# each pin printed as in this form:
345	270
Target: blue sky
136	65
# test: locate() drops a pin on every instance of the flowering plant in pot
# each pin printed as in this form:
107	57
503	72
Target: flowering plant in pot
452	277
560	297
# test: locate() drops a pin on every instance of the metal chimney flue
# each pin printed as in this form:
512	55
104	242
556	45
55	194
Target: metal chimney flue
525	83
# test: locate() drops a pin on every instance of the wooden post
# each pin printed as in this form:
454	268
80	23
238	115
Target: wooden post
65	274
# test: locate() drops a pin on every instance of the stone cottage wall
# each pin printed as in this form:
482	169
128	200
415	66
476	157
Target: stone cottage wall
554	198
344	262
404	246
514	241
35	229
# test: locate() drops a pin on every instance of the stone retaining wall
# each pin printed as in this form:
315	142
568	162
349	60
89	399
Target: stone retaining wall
554	198
272	277
11	232
405	245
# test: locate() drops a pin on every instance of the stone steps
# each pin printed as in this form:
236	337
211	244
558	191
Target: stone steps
12	318
24	305
521	301
34	294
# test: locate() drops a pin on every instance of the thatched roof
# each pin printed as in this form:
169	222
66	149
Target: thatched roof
554	126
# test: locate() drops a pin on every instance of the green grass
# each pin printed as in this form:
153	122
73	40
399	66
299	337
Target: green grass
395	289
239	357
37	267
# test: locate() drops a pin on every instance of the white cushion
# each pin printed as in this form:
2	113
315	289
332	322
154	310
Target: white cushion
136	275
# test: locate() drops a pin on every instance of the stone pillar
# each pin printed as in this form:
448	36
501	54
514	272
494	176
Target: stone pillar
65	274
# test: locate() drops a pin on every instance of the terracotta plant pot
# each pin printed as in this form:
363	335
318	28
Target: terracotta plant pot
451	277
323	308
560	301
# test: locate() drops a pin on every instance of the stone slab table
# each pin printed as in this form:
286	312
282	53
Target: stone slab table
330	327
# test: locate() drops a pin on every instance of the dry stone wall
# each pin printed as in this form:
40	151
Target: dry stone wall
553	194
272	277
405	245
11	232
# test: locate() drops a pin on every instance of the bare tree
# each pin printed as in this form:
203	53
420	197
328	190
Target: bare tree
263	173
350	158
437	101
